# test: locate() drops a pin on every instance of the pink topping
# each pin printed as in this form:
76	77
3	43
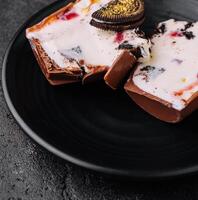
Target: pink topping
176	34
69	16
119	37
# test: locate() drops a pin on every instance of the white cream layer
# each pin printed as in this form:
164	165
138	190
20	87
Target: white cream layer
98	47
173	72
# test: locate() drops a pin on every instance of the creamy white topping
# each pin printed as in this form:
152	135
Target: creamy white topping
76	39
172	72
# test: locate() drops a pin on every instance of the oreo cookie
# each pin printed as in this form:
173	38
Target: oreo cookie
119	15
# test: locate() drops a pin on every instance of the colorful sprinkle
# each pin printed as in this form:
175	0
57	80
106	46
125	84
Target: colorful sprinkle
69	16
184	80
119	37
176	34
188	88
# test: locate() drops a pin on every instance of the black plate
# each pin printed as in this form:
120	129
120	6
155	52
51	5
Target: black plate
92	125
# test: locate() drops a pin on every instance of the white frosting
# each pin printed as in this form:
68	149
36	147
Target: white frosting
97	47
173	72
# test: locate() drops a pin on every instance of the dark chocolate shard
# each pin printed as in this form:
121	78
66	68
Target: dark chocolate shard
120	70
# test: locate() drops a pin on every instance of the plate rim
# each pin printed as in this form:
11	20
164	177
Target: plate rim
134	174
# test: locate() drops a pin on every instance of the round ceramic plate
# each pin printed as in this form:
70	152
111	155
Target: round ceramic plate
93	126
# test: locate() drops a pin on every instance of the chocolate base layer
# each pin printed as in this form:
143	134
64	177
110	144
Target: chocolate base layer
117	26
157	107
54	74
60	76
120	69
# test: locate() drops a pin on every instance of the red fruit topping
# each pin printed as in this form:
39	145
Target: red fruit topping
69	16
176	34
188	88
119	37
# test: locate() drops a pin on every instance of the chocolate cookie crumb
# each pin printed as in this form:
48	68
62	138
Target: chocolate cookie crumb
188	25
125	45
161	29
147	68
189	35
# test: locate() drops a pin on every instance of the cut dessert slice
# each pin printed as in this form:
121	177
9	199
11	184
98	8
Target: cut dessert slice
166	86
69	49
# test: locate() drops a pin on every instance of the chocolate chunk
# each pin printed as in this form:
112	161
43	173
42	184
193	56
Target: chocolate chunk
120	70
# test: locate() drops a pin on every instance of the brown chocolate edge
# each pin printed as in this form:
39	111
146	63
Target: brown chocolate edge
55	76
120	69
51	18
58	76
157	107
115	27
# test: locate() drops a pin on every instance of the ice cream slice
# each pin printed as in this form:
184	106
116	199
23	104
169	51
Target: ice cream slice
166	86
69	48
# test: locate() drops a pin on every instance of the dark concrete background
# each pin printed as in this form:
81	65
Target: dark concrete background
27	171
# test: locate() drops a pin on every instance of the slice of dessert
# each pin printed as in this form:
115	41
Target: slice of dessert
166	86
69	49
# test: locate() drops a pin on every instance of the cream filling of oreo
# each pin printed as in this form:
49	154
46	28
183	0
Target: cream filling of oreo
172	72
104	22
116	23
65	40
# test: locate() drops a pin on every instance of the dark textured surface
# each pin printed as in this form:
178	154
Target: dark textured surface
27	171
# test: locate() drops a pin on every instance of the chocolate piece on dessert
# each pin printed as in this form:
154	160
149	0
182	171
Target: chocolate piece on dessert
86	54
136	50
120	69
166	86
53	73
119	15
